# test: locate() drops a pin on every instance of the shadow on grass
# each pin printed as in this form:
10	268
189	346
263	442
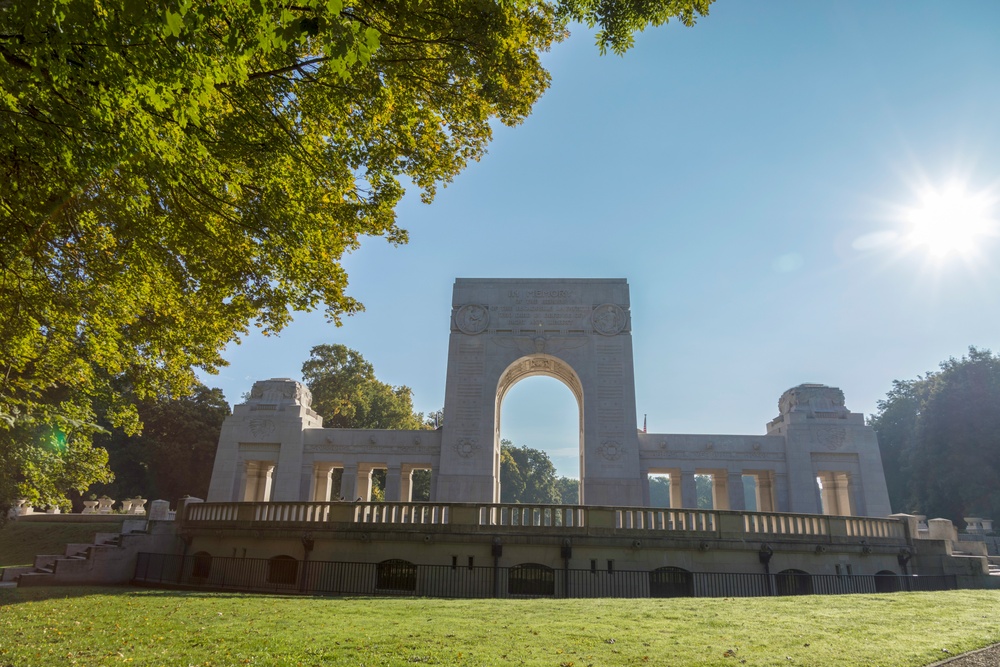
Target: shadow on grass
9	596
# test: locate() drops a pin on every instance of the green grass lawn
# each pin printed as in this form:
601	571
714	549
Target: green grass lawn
90	626
21	541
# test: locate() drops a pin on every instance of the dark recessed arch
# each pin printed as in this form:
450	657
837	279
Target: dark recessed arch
793	582
396	575
886	581
531	579
670	582
282	570
201	565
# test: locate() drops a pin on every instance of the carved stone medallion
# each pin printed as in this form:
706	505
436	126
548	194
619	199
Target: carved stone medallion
611	450
830	436
472	319
261	428
466	447
608	319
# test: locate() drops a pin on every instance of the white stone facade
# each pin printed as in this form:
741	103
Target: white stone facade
274	448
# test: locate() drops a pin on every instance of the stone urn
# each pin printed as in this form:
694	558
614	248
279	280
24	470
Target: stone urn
89	507
104	505
53	509
127	506
137	506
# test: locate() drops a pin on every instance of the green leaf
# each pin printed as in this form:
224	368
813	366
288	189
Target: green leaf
174	24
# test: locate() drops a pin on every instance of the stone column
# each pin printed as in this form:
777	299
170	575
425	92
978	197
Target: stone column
268	479
321	482
842	486
828	497
781	492
349	482
676	498
720	490
689	490
406	484
765	492
243	470
364	483
251	481
737	499
393	483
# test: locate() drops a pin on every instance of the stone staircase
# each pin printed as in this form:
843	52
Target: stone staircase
109	559
992	562
45	567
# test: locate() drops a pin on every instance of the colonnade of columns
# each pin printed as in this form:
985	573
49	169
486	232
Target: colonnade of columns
728	488
256	482
356	481
835	493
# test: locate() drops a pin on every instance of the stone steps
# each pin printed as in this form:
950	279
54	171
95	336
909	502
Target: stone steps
43	570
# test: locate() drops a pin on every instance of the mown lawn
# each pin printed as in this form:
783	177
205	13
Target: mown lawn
21	541
90	626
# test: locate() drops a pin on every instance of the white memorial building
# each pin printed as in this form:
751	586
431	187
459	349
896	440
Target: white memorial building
816	456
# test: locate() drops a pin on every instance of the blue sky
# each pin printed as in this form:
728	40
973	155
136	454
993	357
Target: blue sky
754	178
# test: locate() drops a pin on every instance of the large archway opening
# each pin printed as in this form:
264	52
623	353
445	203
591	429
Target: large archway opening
539	430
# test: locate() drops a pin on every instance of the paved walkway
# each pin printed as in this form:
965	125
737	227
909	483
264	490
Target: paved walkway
985	657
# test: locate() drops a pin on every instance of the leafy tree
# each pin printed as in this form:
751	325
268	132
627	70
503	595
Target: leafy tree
526	475
347	394
940	439
175	172
569	490
420	485
703	487
174	454
435	419
659	491
44	463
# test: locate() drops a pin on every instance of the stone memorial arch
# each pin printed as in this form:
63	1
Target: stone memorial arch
577	331
816	456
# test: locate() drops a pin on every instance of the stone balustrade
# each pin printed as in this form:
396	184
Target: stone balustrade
558	519
867	527
401	513
694	521
810	525
539	516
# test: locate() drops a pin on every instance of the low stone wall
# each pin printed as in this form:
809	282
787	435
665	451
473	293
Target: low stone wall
74	518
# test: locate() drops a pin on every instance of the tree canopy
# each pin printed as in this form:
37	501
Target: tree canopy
174	454
176	172
940	439
528	476
347	394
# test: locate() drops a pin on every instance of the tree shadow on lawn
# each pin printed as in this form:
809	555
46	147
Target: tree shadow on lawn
17	595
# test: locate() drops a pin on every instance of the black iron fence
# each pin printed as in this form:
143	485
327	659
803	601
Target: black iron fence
402	578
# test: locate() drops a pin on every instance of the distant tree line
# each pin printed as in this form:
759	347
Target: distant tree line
940	439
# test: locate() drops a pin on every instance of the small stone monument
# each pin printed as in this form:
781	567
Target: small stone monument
159	510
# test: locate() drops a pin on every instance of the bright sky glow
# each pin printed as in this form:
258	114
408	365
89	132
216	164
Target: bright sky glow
951	221
771	184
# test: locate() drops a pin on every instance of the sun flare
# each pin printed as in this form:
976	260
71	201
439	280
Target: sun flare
950	221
